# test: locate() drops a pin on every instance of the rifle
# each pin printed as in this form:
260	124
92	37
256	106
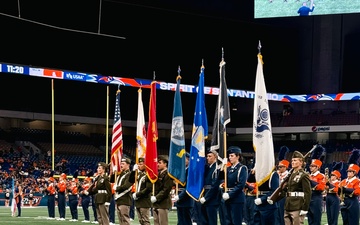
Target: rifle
276	195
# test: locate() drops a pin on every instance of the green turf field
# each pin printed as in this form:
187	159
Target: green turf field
38	215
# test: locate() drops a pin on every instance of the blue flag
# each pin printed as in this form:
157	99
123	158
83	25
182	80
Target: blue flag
177	153
195	180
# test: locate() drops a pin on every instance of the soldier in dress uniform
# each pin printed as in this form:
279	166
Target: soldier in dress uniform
183	202
123	192
349	191
101	189
142	194
234	196
265	213
51	192
318	183
73	191
61	192
163	186
297	191
332	198
85	199
212	196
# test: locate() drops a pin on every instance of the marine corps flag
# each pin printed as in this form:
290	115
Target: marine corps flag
195	180
177	154
140	129
151	138
221	118
262	131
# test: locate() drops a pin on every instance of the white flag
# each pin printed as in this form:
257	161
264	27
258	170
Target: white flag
262	131
140	129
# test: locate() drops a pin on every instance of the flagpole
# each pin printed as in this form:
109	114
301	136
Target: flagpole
52	126
224	138
107	127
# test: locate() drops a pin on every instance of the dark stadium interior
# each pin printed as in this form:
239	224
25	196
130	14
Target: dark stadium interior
316	54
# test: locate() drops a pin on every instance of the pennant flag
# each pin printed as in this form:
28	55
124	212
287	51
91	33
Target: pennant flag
221	118
140	129
151	138
177	155
262	131
195	180
117	138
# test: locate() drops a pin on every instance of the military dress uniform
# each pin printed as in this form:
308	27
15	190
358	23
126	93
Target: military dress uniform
122	196
211	195
142	197
162	199
101	189
236	180
184	205
298	194
265	213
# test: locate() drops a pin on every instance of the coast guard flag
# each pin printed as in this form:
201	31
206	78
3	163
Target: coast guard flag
177	153
140	129
151	138
195	180
262	133
117	138
222	117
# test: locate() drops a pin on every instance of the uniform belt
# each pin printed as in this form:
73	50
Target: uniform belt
263	192
181	189
250	194
207	187
102	191
230	189
295	194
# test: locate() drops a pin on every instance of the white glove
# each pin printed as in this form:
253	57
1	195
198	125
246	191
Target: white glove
225	161
202	200
176	198
86	192
258	201
135	167
114	187
302	212
134	196
153	199
226	196
270	201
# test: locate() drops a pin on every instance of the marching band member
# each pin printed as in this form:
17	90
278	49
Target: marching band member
72	191
85	199
283	172
250	196
349	190
50	192
61	191
332	198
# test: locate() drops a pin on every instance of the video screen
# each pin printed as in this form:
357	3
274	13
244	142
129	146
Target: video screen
287	8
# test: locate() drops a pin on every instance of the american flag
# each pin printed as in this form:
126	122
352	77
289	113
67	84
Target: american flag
117	139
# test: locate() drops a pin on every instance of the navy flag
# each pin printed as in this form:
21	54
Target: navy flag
195	179
221	118
177	154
